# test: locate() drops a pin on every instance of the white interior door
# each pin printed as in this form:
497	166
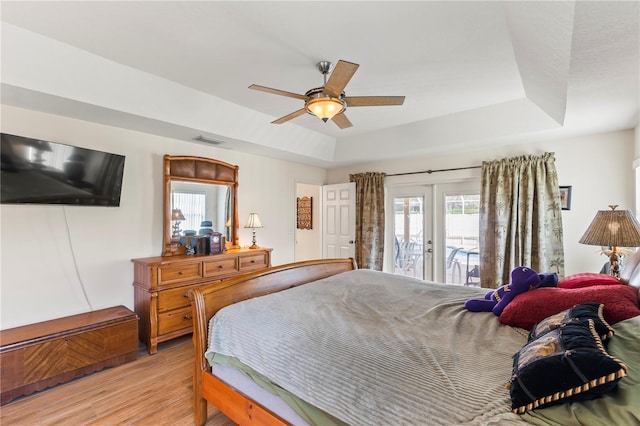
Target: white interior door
339	220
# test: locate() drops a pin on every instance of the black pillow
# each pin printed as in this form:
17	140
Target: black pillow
580	312
565	364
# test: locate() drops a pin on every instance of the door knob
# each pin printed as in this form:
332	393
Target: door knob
351	241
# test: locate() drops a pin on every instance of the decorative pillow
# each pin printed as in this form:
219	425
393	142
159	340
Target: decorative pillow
587	279
563	365
582	312
527	309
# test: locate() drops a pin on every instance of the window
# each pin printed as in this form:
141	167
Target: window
192	205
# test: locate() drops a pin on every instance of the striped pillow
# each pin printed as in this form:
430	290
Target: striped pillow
563	365
580	312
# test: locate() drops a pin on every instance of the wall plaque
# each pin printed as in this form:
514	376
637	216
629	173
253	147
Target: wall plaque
304	212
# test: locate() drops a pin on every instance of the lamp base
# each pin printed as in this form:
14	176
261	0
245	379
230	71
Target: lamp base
614	263
176	230
253	241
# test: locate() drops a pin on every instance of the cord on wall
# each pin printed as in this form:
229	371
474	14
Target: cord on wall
75	262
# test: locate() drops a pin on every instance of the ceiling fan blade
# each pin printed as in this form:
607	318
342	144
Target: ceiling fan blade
359	101
339	78
342	121
278	92
288	117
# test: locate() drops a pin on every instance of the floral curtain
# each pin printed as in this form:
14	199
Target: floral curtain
369	219
520	218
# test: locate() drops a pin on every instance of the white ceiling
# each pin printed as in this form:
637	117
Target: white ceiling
475	74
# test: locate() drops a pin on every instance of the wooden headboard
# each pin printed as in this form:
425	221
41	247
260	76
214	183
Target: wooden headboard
207	300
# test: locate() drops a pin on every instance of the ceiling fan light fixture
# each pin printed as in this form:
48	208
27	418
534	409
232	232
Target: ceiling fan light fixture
329	101
325	107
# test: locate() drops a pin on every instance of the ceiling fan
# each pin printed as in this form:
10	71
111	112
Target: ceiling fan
329	101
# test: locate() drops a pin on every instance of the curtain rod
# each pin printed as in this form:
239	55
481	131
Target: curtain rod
435	171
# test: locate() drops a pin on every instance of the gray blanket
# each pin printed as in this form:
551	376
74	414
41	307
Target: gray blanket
372	348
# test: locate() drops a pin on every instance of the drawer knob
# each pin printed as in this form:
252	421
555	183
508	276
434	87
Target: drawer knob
220	266
187	317
253	261
186	295
179	272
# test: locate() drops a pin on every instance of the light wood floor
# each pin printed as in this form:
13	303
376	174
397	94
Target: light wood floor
153	390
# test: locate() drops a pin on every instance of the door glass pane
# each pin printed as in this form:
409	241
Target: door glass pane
408	225
462	232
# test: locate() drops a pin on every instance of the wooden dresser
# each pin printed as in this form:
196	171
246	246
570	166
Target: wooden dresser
161	287
37	356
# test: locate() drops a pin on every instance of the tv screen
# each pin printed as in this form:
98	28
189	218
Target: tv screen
34	171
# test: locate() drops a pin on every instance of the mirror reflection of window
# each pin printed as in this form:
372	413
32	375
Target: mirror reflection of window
193	207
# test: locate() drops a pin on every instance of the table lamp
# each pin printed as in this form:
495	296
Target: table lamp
613	228
176	217
253	223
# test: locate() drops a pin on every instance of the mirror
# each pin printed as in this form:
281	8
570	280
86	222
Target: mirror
200	194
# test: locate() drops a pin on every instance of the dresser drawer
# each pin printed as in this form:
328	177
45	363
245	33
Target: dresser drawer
174	299
162	283
220	267
248	263
175	320
179	272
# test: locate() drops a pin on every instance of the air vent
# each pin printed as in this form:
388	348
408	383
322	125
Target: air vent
208	140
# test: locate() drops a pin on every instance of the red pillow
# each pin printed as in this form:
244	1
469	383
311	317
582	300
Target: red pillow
527	309
587	279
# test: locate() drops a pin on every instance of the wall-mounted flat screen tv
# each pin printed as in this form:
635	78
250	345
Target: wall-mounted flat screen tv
35	171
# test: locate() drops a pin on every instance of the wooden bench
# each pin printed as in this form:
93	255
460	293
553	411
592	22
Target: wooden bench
37	356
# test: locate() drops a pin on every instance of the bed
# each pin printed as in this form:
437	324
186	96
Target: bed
348	346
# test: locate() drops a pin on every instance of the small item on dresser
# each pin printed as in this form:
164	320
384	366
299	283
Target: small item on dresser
189	242
202	245
216	244
205	228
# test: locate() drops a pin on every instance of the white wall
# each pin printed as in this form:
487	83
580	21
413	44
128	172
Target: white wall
636	166
309	241
598	167
61	260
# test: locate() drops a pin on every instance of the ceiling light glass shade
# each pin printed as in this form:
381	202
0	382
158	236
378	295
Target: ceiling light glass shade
613	228
254	221
325	107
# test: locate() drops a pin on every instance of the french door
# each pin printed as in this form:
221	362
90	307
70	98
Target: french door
432	232
458	222
409	243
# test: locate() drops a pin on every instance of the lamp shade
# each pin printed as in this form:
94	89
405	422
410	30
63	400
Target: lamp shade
254	221
614	228
176	214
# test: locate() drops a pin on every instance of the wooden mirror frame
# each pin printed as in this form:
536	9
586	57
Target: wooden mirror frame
197	170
